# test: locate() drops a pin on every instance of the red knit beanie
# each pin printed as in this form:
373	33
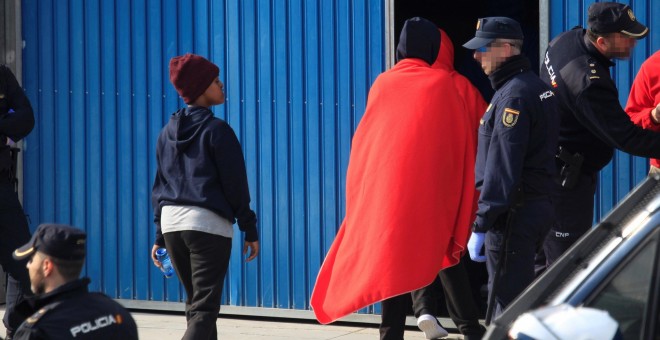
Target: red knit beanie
191	75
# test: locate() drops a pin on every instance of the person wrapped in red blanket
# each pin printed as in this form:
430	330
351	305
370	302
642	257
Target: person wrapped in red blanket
409	185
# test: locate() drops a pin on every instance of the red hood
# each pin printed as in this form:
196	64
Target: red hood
445	58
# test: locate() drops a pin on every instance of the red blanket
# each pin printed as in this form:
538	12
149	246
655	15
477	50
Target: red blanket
409	192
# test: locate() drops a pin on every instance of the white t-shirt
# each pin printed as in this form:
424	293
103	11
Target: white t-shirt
189	217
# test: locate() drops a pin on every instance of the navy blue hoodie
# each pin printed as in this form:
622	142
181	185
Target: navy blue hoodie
200	163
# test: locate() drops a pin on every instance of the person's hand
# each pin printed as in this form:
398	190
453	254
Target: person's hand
475	244
154	257
254	250
655	114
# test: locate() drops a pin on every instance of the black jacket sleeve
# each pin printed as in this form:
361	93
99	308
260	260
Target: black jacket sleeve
17	124
159	183
599	111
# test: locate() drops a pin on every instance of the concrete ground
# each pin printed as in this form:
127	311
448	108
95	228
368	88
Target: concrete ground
171	326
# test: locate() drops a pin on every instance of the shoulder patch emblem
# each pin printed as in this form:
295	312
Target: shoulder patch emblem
510	117
36	316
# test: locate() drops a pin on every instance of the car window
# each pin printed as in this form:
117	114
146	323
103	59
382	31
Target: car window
626	294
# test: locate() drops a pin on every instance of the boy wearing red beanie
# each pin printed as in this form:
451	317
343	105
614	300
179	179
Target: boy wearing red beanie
200	191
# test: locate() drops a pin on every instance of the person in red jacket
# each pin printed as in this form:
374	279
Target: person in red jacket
644	100
409	189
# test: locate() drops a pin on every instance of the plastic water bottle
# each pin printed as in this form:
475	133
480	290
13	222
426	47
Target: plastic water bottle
166	263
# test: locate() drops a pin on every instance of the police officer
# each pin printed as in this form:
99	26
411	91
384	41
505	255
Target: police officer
515	162
62	307
593	122
16	121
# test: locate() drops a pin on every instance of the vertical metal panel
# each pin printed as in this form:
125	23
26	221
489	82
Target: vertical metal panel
109	128
625	171
297	74
93	138
125	191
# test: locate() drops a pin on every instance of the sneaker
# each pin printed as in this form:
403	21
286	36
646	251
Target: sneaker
431	327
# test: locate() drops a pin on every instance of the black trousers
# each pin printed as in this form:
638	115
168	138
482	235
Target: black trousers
200	261
460	302
393	311
14	232
528	230
575	214
458	296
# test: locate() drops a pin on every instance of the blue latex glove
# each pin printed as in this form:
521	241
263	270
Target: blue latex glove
474	246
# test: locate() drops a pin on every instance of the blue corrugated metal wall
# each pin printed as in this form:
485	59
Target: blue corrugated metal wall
625	171
297	74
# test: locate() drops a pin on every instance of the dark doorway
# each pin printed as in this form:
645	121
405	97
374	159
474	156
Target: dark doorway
458	19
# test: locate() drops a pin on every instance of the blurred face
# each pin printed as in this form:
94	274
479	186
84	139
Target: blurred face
493	55
616	45
37	276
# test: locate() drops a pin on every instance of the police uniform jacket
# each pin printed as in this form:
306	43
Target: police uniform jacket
517	142
71	312
593	122
16	116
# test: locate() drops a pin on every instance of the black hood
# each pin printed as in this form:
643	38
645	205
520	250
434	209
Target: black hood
185	125
420	39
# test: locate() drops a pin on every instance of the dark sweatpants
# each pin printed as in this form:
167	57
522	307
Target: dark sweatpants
14	232
393	311
200	261
458	296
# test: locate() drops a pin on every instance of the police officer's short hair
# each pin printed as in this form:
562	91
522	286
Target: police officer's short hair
515	43
593	36
69	269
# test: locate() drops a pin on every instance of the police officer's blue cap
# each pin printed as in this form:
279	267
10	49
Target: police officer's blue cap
491	28
612	17
56	240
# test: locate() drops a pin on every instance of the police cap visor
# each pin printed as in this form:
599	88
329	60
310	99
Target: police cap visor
56	240
491	28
